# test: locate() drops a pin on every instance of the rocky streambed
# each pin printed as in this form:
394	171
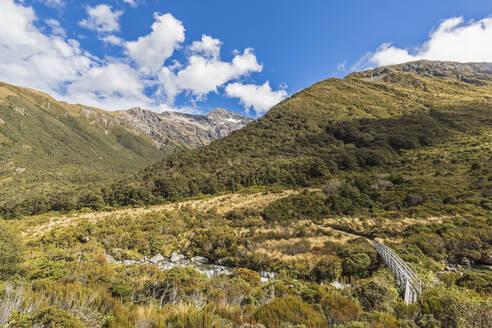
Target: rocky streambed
200	263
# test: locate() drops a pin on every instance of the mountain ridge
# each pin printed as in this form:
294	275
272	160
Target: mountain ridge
48	145
340	127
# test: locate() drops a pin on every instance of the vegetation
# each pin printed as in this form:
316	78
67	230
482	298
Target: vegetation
403	142
51	152
66	278
399	154
11	251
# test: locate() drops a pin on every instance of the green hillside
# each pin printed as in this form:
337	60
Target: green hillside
408	139
49	147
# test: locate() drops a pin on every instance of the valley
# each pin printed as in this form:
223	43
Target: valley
266	225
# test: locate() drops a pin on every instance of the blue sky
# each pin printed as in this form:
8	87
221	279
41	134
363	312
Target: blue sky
241	55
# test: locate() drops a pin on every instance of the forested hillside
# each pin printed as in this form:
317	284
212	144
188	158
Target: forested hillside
52	152
413	138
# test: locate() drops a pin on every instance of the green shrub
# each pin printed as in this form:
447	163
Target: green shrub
288	310
54	317
250	276
327	268
20	320
11	250
339	309
196	319
356	265
479	281
372	296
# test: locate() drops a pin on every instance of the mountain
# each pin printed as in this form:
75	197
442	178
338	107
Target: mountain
397	137
183	130
48	147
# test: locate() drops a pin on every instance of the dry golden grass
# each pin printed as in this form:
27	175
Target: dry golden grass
39	225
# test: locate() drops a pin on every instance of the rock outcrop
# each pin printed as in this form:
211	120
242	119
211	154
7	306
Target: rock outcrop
181	129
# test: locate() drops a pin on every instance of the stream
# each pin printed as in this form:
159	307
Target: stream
201	264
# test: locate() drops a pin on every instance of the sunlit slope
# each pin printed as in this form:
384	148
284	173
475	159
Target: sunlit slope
49	146
428	123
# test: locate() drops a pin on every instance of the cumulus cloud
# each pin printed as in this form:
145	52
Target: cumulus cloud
44	58
453	40
259	97
110	82
102	19
58	66
208	46
205	74
151	51
28	57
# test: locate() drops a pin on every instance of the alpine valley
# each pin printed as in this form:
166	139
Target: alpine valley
51	149
359	202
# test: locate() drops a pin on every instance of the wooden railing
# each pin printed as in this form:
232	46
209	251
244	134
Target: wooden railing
405	277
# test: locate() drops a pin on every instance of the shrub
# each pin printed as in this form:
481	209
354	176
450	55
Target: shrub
54	317
356	265
481	282
372	296
196	319
20	320
250	276
10	251
288	310
339	309
327	268
457	308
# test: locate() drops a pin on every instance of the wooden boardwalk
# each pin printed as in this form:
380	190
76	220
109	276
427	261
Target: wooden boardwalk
405	277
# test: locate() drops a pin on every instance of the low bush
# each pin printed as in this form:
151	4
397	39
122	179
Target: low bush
250	276
288	310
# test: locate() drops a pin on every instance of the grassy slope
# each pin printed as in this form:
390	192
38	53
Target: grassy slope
428	123
48	146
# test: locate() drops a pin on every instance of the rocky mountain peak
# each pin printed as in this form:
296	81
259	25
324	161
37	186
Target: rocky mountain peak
182	129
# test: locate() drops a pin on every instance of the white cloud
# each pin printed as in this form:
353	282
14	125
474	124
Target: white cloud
115	85
28	57
205	74
113	39
59	67
342	67
56	27
208	47
132	3
101	19
259	97
46	60
53	3
151	51
452	40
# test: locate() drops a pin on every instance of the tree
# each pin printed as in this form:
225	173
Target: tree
10	250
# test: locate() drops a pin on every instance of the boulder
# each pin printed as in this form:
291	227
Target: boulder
198	259
176	257
156	258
